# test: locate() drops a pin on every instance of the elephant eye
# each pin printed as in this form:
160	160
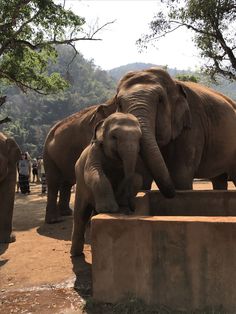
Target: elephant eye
114	137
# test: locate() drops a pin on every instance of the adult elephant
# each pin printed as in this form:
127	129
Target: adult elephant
191	126
9	155
63	146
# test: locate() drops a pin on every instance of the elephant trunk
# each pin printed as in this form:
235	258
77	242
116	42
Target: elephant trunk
128	155
127	188
154	160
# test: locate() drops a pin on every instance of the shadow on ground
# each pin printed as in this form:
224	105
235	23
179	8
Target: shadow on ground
3	248
61	230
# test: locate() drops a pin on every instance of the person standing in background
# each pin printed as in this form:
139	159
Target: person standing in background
24	169
42	175
35	171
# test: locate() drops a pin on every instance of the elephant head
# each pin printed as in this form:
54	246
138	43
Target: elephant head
119	135
161	107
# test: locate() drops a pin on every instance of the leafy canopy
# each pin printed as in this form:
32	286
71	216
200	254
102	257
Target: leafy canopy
214	26
29	31
89	85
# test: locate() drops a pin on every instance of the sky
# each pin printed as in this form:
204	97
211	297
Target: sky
118	47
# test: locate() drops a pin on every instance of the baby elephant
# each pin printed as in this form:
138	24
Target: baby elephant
105	173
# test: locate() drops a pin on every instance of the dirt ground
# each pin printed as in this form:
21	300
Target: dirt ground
37	274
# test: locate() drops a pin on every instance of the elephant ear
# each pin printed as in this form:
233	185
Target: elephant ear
13	150
103	111
181	115
98	132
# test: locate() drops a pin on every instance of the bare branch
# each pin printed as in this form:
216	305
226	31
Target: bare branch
74	56
100	28
20	84
165	33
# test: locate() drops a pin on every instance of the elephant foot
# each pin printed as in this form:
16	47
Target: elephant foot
77	251
66	212
53	221
8	239
107	207
126	211
52	215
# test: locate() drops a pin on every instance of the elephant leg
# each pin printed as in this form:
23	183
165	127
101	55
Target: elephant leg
52	210
7	196
220	182
82	214
146	181
181	172
53	177
64	199
232	175
183	180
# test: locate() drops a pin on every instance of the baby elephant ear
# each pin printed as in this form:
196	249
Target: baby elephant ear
98	132
99	113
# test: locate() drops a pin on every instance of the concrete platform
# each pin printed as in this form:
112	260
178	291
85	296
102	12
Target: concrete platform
187	203
183	263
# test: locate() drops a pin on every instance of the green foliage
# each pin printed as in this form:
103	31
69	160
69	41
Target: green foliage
213	23
32	114
29	31
187	78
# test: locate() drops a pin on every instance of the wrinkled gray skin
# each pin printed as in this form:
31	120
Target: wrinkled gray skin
105	173
9	155
185	126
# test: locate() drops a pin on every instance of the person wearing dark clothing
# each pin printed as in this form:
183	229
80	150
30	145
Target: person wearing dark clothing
35	171
42	175
24	173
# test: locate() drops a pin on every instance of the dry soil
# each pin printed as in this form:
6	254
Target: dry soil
37	274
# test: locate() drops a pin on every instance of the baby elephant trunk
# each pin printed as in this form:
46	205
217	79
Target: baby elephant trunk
129	154
126	190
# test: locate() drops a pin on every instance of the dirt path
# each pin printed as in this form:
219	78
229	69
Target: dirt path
37	274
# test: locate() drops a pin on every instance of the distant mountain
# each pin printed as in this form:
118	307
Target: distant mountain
118	72
224	86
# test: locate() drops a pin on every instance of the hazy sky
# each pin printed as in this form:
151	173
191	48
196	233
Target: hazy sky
118	40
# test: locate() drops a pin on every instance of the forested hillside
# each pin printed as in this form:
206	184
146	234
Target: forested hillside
33	114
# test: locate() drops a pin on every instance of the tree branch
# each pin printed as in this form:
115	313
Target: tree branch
13	37
2	100
20	84
226	48
165	33
5	120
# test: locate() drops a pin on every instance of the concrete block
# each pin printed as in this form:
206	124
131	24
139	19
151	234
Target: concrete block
187	203
184	263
